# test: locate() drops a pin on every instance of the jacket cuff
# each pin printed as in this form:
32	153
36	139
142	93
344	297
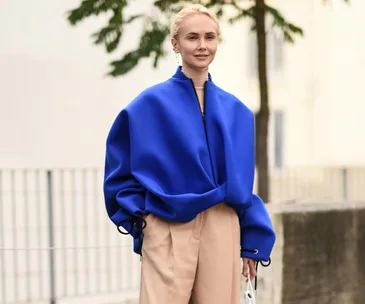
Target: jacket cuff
257	233
257	248
126	223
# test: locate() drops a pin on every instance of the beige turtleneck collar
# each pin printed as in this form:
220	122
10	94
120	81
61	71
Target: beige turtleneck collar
198	77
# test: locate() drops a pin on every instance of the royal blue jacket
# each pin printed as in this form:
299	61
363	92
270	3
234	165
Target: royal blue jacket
163	156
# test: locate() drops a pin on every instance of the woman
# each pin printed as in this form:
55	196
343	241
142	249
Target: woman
179	176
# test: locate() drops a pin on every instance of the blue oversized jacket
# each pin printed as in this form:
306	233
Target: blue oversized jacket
164	157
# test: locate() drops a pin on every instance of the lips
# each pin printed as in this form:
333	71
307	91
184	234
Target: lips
201	56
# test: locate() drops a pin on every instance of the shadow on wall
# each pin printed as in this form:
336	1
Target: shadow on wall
318	257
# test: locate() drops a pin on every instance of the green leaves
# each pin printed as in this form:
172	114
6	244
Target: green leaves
278	21
111	34
155	31
242	13
166	5
326	1
94	7
151	43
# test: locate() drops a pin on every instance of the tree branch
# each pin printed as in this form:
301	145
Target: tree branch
151	43
288	29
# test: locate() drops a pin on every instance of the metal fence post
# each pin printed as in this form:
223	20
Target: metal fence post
344	183
51	237
2	241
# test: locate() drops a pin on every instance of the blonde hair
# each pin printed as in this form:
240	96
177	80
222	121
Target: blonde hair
188	11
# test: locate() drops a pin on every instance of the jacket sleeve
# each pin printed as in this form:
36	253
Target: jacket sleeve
257	233
124	196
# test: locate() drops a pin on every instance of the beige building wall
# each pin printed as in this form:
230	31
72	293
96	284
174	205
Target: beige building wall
57	105
324	73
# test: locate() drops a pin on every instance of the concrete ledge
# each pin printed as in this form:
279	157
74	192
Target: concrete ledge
319	256
294	207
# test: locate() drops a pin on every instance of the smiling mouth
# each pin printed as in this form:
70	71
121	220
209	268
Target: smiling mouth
201	56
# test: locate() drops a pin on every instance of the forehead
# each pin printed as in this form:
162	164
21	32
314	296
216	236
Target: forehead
198	23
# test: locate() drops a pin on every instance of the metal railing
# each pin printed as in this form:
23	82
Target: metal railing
57	243
56	240
325	184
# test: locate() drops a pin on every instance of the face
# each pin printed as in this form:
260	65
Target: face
197	41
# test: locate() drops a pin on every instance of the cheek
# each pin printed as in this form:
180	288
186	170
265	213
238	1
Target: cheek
213	50
187	49
214	46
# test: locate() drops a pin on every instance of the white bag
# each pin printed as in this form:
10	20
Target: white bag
248	294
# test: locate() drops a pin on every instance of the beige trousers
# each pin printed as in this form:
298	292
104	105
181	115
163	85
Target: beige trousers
192	263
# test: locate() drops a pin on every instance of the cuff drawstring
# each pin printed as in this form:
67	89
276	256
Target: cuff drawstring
263	263
137	224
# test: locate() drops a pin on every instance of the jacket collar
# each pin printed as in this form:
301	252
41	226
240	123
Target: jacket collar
181	76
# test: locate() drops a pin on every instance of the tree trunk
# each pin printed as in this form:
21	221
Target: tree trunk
262	117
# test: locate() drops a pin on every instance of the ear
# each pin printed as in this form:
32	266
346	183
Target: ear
175	45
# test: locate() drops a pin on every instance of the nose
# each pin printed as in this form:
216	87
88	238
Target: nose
202	45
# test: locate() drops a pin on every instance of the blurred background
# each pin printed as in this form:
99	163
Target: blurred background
57	105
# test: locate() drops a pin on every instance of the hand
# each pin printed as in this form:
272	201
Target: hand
249	267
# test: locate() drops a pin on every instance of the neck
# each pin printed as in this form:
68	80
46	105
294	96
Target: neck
199	77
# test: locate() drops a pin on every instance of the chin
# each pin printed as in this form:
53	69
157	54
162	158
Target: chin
201	65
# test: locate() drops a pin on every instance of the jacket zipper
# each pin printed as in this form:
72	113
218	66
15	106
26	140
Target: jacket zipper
202	115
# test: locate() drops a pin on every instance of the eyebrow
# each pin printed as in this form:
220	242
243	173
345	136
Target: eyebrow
194	33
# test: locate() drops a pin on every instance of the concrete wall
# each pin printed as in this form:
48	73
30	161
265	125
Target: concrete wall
318	257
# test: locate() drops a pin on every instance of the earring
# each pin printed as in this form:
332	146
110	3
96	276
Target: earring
177	58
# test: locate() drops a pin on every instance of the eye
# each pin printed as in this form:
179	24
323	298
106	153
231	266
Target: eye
192	38
211	37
